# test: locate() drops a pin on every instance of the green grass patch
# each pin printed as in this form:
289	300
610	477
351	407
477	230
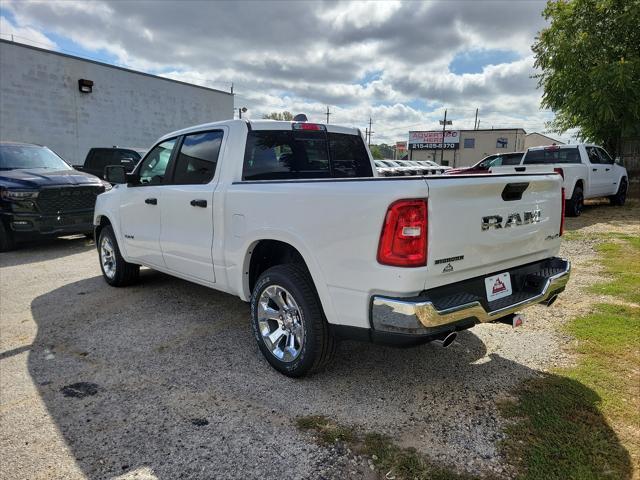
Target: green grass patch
621	261
563	422
400	463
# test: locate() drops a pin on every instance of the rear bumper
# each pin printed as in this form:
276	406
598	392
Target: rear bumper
464	304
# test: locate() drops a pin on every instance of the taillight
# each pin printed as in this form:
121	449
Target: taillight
562	218
308	126
403	242
559	171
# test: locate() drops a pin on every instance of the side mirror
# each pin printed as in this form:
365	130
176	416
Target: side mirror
115	174
619	161
80	168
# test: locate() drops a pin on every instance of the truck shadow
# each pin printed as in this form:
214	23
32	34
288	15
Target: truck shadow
46	249
166	377
600	211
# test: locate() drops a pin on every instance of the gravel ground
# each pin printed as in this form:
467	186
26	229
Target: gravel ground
163	380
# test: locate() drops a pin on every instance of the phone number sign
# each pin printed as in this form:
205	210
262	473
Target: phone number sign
433	140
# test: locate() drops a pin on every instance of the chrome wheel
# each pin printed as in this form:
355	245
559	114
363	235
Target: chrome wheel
107	257
280	322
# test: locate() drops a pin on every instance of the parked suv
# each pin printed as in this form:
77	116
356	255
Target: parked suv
98	158
42	195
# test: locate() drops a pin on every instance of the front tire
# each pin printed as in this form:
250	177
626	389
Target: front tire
288	323
7	241
574	205
621	196
115	270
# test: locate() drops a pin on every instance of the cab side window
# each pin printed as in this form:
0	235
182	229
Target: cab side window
592	153
198	157
154	166
604	156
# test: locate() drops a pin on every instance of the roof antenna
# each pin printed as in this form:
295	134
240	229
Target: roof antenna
301	117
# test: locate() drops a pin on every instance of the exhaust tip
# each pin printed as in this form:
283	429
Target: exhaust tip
446	340
552	300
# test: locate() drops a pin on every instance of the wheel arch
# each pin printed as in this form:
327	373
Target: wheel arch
273	250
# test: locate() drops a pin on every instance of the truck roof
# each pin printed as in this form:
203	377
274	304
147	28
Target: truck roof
566	145
262	124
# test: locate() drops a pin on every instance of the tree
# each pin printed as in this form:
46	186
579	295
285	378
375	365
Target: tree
589	56
287	116
376	153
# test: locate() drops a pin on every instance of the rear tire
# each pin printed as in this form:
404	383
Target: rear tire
7	241
288	322
575	204
621	196
115	270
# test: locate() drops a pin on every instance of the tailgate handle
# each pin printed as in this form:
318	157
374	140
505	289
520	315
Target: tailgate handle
521	169
514	191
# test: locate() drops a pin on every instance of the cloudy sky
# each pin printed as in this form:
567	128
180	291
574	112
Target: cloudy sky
400	63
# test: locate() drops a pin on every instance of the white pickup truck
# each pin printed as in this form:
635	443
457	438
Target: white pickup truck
293	217
588	172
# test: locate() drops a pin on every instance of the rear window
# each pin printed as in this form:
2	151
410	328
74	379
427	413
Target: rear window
99	158
560	155
283	155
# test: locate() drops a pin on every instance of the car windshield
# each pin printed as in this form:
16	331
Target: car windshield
13	157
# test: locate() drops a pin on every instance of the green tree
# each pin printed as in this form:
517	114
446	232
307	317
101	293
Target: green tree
376	152
287	116
589	56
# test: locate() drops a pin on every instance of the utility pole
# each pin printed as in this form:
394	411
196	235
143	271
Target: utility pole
370	132
231	88
328	113
475	124
444	124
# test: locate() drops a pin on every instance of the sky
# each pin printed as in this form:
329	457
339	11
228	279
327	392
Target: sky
399	63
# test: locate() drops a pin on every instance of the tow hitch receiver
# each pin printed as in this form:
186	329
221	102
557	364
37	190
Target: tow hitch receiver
515	320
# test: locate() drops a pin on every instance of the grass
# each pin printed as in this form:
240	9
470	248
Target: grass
388	458
583	422
621	261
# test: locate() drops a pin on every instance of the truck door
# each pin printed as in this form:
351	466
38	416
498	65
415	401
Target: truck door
186	236
140	206
597	174
609	177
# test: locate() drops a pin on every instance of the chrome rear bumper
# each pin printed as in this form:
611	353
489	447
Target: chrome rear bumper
421	315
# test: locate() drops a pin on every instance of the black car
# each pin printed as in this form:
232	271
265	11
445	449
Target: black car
98	158
42	195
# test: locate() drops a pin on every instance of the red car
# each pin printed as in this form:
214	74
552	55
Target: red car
495	160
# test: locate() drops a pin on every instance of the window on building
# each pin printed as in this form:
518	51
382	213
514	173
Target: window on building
502	142
469	143
196	162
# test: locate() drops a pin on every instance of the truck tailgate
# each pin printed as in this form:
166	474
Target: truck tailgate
486	223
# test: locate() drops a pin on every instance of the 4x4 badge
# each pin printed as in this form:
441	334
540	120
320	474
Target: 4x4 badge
448	268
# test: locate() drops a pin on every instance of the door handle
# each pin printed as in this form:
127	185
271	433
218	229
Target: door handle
151	201
594	169
607	169
199	203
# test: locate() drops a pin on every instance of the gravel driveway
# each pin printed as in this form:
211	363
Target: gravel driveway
164	380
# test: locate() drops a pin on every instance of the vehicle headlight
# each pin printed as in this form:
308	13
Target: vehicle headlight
15	195
107	186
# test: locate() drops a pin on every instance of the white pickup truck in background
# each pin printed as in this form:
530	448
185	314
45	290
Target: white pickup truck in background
293	217
588	172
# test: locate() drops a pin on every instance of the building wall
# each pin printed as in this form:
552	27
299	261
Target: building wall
538	140
40	103
484	144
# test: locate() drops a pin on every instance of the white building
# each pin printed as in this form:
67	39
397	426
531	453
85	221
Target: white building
71	104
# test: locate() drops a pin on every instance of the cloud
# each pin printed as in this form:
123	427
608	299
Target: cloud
25	34
303	56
